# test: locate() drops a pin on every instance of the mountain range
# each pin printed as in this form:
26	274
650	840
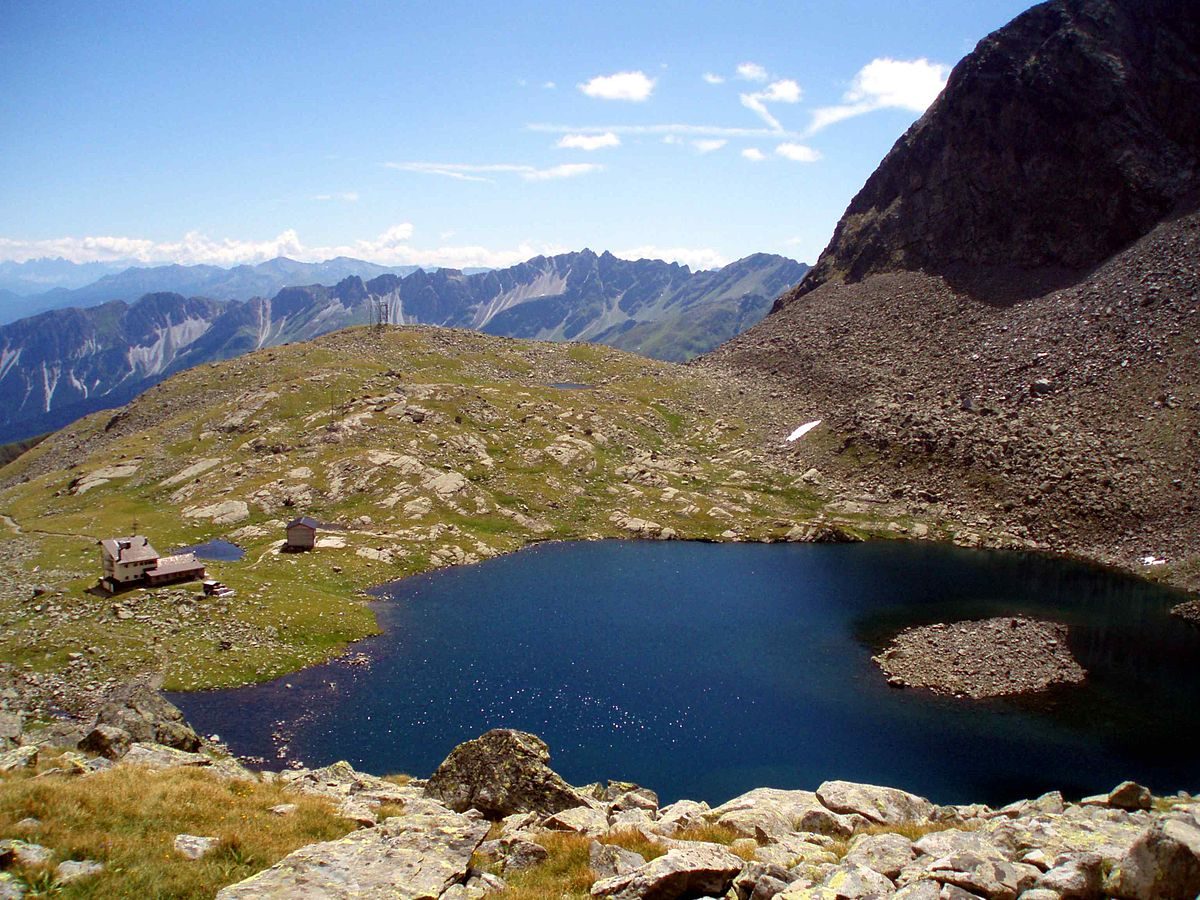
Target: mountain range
90	284
61	364
1005	326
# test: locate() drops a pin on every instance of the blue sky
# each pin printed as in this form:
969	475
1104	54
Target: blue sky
466	134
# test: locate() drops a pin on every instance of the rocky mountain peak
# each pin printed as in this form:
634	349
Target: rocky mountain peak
1062	138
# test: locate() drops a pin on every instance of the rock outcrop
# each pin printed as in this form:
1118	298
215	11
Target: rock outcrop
415	857
1063	137
146	716
500	773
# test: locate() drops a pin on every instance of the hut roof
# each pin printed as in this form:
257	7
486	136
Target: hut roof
306	522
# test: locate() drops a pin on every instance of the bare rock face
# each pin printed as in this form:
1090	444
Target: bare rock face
882	805
147	717
500	773
1077	111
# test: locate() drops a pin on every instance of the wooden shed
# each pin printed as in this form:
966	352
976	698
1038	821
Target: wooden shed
301	534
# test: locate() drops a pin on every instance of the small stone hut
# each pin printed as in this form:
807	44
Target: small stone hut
301	534
132	560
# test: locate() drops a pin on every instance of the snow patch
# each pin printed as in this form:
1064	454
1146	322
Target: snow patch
803	430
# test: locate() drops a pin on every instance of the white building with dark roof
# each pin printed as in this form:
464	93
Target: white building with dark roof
132	560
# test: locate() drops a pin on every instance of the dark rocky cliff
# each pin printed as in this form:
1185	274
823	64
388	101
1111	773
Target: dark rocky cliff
1065	136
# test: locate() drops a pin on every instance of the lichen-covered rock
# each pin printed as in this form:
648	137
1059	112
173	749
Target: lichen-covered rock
771	813
500	773
194	846
405	858
609	860
882	805
148	717
1164	862
157	756
698	871
887	854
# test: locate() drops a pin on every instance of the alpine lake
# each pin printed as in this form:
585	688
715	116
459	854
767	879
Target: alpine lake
704	670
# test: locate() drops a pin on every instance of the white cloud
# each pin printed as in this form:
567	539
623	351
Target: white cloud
782	91
667	129
480	171
749	71
672	139
391	247
886	84
697	258
568	170
446	235
344	196
588	141
797	152
712	78
635	86
708	145
549	85
754	154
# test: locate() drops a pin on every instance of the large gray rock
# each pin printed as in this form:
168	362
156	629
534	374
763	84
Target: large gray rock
158	756
1077	877
699	871
147	717
500	773
882	805
991	878
887	854
76	870
609	860
1163	863
405	858
852	882
770	814
579	819
11	726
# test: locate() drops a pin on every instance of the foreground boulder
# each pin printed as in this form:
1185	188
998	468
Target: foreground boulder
147	717
406	858
881	805
500	773
705	870
1163	862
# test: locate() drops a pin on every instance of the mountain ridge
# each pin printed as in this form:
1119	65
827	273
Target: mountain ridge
61	364
1054	397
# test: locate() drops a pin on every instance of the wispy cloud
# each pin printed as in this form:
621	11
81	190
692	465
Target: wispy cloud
797	152
665	129
634	86
749	71
709	145
567	170
754	154
588	141
549	85
712	78
783	91
480	171
886	83
344	196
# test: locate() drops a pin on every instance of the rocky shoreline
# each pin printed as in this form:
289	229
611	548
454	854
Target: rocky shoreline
495	811
979	659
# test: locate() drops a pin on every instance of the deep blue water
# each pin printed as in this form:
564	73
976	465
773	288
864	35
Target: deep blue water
217	549
703	670
571	386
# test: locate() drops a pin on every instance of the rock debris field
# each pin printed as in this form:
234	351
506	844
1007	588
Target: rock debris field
985	658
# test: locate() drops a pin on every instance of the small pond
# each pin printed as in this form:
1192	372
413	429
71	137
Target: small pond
571	386
703	670
216	549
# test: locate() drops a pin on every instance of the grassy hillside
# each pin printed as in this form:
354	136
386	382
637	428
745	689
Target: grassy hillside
424	447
